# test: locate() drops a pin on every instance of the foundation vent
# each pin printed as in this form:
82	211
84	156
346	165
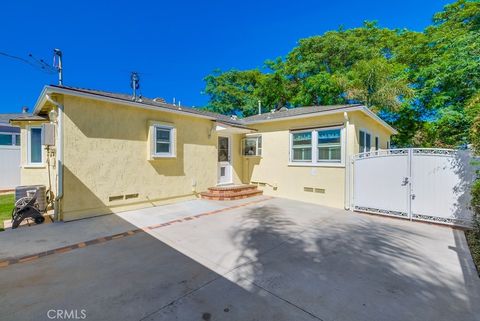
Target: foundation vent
115	198
130	196
314	190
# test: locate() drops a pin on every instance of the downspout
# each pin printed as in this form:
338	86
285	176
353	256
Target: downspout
56	210
347	164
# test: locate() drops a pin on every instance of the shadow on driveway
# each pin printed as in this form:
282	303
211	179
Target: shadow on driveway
361	269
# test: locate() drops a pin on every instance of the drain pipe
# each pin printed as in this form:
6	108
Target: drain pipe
59	196
347	164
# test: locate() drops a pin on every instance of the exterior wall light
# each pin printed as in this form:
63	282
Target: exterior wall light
53	115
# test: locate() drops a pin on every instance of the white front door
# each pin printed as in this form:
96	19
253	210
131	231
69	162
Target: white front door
224	160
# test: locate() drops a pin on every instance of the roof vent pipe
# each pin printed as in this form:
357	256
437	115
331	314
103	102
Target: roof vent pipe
134	84
24	109
259	107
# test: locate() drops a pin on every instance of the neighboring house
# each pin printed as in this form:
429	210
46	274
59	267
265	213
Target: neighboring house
9	152
115	153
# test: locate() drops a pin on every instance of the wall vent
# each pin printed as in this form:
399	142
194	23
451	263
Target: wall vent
129	196
314	190
115	198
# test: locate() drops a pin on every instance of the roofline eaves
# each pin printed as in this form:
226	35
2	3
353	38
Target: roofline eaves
361	108
49	89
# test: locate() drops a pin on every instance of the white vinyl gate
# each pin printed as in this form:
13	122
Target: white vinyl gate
416	183
9	167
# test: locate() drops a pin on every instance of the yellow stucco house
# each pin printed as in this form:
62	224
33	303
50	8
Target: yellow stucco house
114	153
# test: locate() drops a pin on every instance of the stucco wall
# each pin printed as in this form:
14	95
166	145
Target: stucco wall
361	121
106	156
279	178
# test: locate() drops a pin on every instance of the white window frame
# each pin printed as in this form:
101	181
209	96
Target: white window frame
13	137
258	151
365	131
29	151
172	140
315	162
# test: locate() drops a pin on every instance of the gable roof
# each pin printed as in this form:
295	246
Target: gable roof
148	103
309	111
161	105
299	111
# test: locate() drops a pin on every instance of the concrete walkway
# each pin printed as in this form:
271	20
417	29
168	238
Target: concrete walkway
28	240
276	259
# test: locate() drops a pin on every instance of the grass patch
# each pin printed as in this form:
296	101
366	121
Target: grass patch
6	205
473	240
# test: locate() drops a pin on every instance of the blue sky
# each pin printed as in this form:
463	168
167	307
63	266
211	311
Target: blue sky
173	44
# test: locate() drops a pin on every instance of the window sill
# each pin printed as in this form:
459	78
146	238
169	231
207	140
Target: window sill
34	166
292	164
154	157
252	156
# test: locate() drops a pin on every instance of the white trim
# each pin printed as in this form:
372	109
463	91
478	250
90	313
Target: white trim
366	131
299	164
361	108
47	90
172	141
13	140
230	161
30	166
28	144
242	147
314	145
11	147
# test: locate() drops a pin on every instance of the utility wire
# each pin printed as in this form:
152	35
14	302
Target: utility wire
38	64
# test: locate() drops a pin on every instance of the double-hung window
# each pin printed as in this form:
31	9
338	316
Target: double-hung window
34	145
330	145
164	141
302	146
365	141
323	146
252	146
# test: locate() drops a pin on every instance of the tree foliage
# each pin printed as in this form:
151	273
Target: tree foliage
423	83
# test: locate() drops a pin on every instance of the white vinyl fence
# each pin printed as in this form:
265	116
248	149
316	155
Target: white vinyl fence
424	184
9	167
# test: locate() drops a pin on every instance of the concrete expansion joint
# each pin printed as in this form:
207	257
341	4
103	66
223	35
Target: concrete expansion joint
288	302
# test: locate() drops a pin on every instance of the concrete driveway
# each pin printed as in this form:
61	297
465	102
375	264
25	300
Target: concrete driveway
266	259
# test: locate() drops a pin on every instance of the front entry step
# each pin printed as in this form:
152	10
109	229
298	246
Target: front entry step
231	192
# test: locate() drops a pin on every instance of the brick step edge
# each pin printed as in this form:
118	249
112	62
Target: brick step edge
230	197
233	189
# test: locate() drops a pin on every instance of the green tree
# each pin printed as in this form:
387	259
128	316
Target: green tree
233	91
421	82
378	83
